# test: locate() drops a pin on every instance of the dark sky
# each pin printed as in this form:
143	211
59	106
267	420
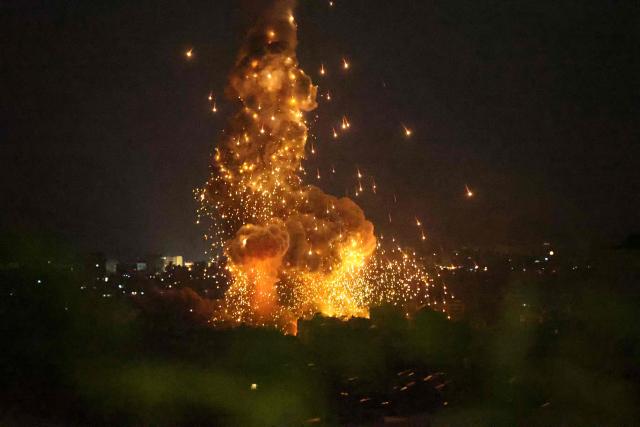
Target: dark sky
106	129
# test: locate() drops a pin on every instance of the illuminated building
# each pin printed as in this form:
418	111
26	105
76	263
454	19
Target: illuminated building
172	260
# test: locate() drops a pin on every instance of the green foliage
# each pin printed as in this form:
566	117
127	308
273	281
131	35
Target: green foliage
73	358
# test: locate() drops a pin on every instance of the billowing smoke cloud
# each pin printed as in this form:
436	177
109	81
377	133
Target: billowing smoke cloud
322	228
291	249
255	243
278	234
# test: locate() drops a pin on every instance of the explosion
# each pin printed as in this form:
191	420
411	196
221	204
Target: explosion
290	249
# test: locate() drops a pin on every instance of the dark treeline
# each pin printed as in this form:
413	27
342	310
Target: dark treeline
72	358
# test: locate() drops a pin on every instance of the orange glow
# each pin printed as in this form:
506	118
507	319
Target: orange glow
289	249
468	191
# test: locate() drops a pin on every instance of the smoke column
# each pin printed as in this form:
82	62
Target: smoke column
290	249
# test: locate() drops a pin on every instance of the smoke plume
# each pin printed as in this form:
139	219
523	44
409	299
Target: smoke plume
291	249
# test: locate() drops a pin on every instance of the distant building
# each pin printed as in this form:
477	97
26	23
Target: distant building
175	260
155	263
111	266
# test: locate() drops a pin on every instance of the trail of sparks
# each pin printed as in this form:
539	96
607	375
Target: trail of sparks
290	249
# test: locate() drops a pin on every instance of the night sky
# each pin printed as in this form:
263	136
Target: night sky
106	128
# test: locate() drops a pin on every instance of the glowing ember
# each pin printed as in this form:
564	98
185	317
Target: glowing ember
290	249
468	191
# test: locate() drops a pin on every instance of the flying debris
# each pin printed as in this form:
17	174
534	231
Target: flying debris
345	123
468	191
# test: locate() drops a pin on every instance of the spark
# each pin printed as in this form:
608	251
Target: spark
345	64
345	123
322	70
189	53
259	207
407	131
468	191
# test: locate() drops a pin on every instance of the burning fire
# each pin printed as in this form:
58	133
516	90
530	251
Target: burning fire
290	249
